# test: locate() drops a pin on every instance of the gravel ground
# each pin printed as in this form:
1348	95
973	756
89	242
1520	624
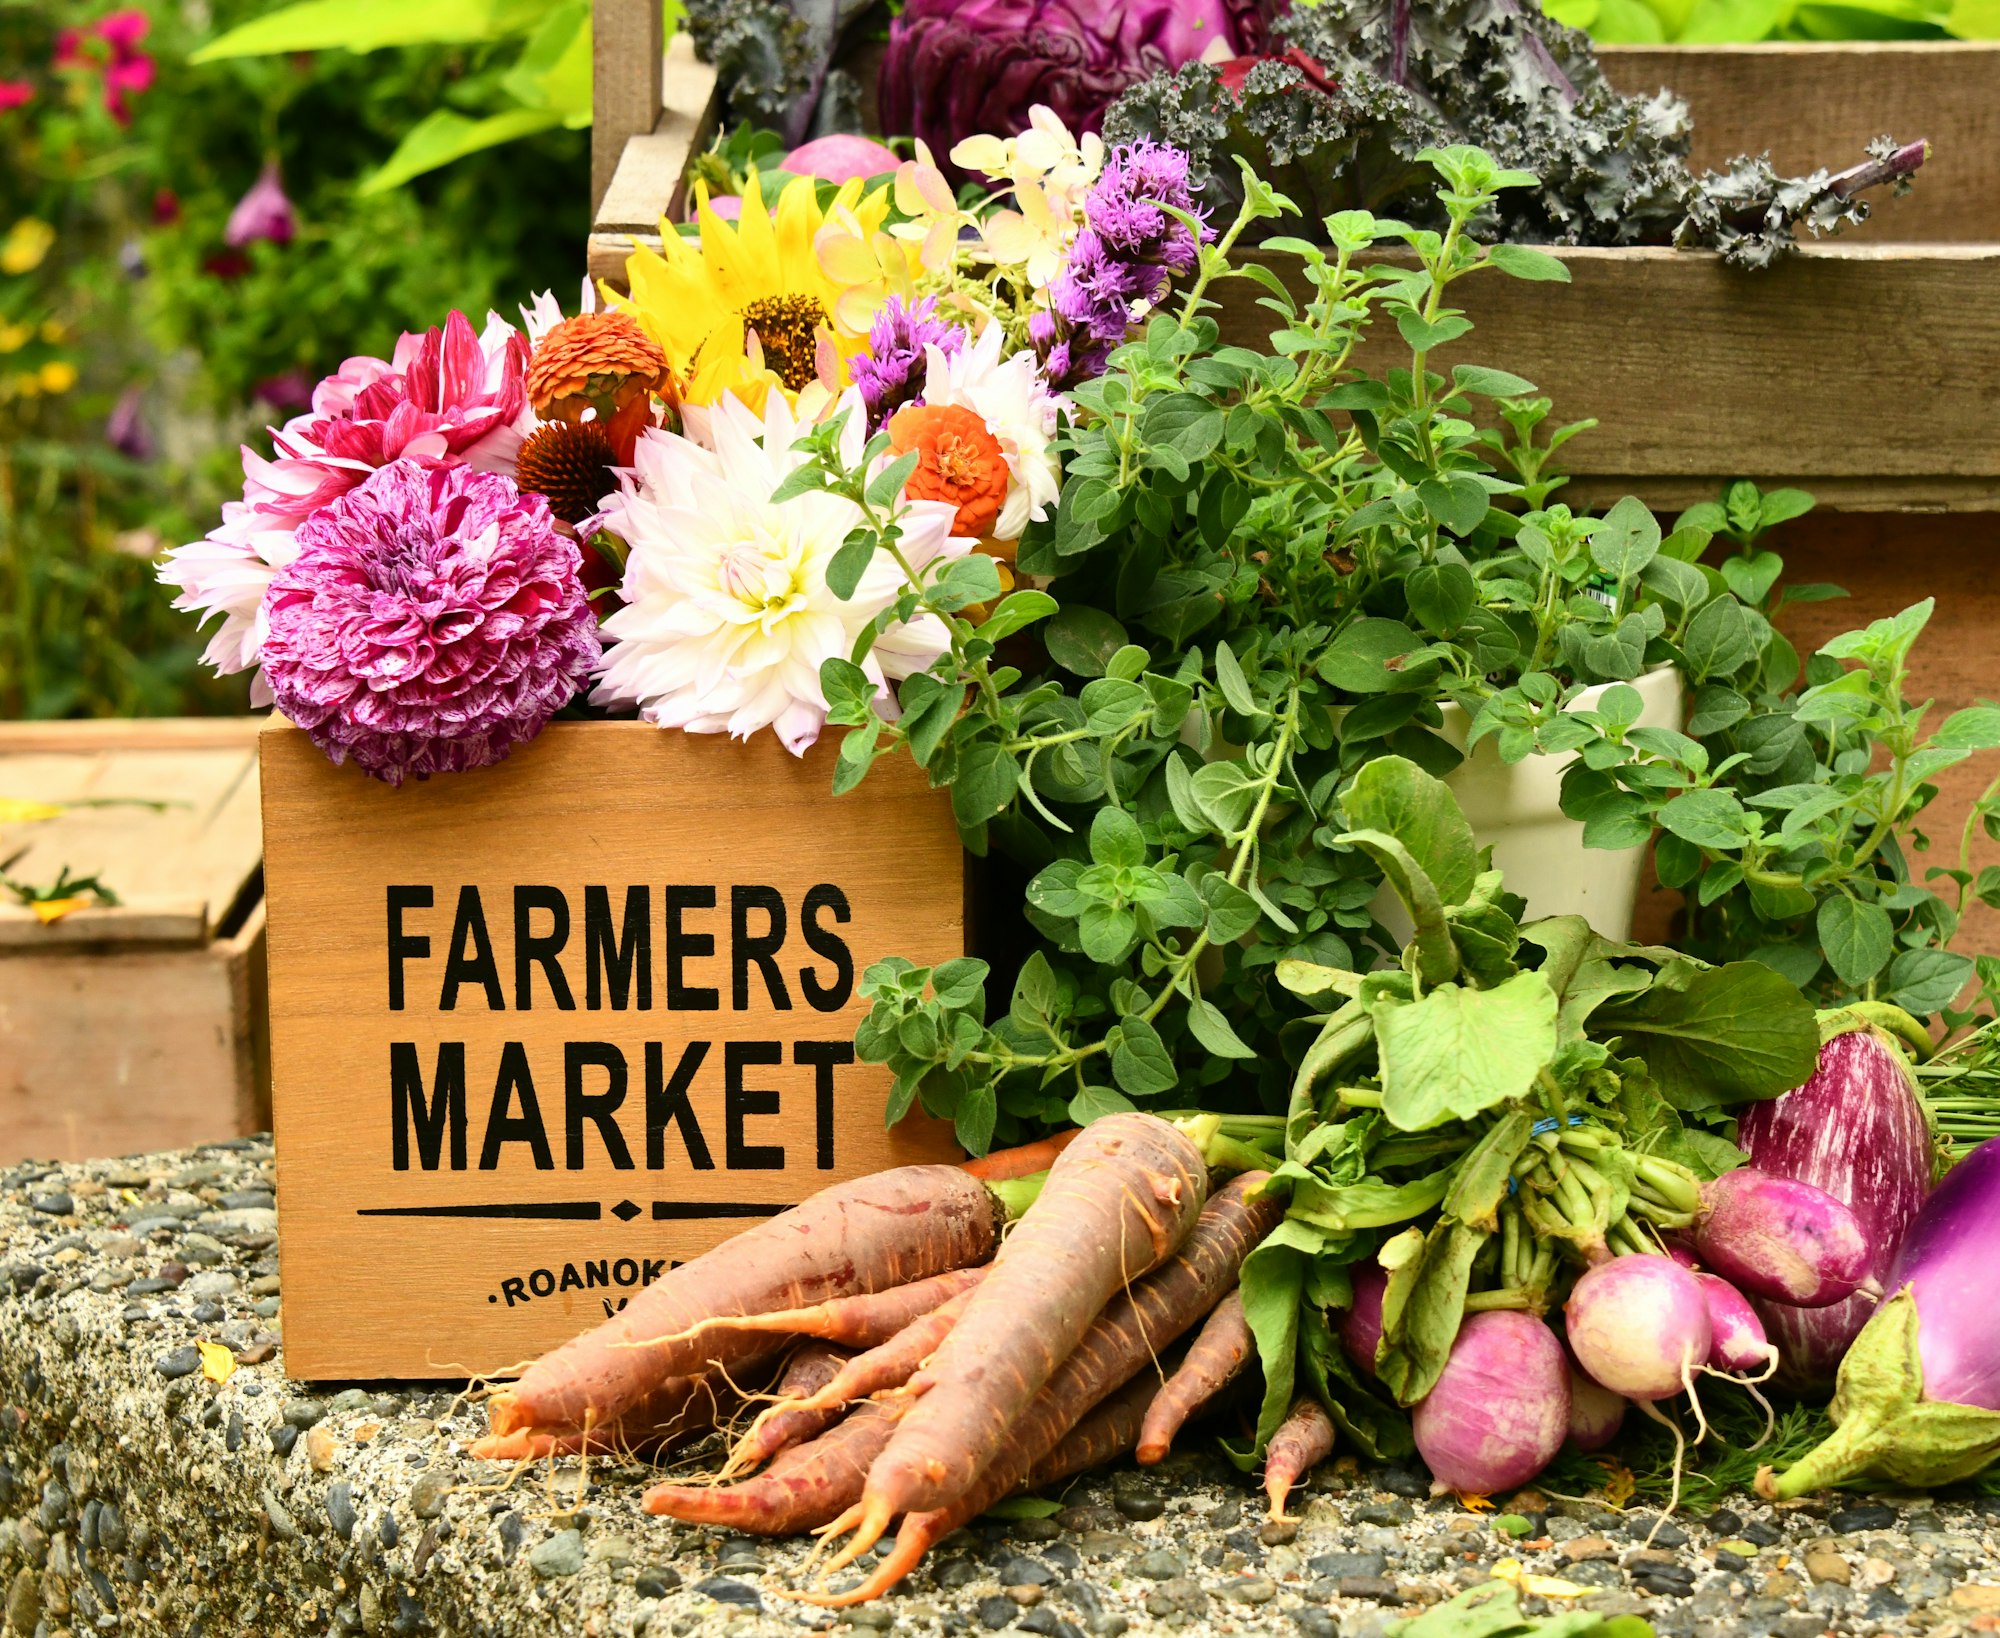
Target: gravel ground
136	1495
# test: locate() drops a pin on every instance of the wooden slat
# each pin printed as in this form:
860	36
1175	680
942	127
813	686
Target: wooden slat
1821	103
130	734
626	44
1847	364
178	869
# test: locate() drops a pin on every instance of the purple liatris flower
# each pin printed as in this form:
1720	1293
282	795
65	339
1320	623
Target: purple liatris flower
263	213
891	373
432	619
1124	256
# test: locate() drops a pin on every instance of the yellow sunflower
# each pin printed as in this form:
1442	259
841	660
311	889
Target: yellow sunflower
749	306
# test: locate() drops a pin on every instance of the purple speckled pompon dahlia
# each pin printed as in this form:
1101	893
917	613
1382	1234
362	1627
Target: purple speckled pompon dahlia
432	619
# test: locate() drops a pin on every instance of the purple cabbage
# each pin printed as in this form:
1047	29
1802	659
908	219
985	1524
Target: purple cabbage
1856	1130
1918	1401
959	68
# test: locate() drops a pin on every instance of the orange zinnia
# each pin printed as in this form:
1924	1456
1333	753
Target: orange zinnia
598	361
958	461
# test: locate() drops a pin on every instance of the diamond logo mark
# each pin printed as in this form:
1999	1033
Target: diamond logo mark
624	1211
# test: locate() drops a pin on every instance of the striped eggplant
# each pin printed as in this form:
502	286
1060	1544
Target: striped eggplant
1856	1130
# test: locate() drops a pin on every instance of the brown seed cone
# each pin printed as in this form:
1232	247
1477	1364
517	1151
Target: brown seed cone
594	360
570	463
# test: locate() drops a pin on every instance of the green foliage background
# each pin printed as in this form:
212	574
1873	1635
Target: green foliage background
139	302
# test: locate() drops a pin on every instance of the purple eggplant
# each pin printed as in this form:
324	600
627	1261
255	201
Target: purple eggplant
1918	1401
1856	1130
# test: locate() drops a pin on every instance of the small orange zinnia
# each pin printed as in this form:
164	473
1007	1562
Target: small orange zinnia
958	461
600	361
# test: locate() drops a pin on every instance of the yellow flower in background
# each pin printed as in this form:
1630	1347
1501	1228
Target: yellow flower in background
27	242
748	307
54	331
58	375
13	337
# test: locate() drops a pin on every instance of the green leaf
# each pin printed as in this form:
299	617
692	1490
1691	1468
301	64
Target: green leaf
1272	1283
1927	981
1423	1307
850	563
1234	685
1481	1179
1208	1026
1016	610
1437	954
1858	938
1115	838
849	691
1720	1036
1226	793
1457	1052
1523	262
442	136
1751	577
1082	639
1357	660
1095	1102
1441	595
1976	728
1024	1507
887	484
1707	818
959	983
1458	502
1626	540
1489	383
1393	795
369	25
1718	640
1189	425
554	68
973	578
1140	1062
1426	335
1231	911
974	1118
988	775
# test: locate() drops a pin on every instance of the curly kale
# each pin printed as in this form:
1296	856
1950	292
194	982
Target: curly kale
772	59
1363	86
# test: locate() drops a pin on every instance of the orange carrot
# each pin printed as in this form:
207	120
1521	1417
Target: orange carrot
866	1235
1303	1440
892	1364
1004	1165
1125	1340
870	1319
1117	1203
802	1489
1107	1432
810	1369
1213	1362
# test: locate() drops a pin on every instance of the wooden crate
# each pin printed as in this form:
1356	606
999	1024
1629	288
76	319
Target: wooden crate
681	1066
1867	368
139	1026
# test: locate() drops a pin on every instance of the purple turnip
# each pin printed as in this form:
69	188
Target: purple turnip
1361	1325
1918	1401
1639	1326
1779	1238
1501	1406
1856	1130
1737	1340
1595	1412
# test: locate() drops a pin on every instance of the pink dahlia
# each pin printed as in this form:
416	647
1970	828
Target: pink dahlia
452	395
430	620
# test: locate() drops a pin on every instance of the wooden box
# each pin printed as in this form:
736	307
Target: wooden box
1867	368
139	1025
541	1030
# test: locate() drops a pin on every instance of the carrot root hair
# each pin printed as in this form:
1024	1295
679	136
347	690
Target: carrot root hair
912	1542
870	1520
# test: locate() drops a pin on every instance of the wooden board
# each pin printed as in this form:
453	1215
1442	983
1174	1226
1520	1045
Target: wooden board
132	1050
169	818
1820	104
431	1255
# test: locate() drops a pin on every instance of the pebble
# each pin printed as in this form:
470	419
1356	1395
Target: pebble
995	1613
1138	1505
560	1554
53	1205
726	1591
283	1525
283	1437
1024	1594
1852	1520
181	1362
1342	1565
303	1413
1258	1589
1025	1572
1159	1565
340	1509
428	1494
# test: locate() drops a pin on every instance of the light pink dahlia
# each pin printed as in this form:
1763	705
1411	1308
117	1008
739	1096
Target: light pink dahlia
430	619
451	395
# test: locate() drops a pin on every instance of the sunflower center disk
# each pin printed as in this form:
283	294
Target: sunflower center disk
787	329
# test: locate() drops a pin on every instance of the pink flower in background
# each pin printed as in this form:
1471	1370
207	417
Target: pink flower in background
125	431
263	213
14	93
127	70
453	396
430	620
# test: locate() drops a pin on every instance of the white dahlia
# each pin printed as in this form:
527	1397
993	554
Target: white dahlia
1009	395
727	612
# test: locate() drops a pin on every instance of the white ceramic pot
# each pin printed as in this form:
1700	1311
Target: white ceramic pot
1517	809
